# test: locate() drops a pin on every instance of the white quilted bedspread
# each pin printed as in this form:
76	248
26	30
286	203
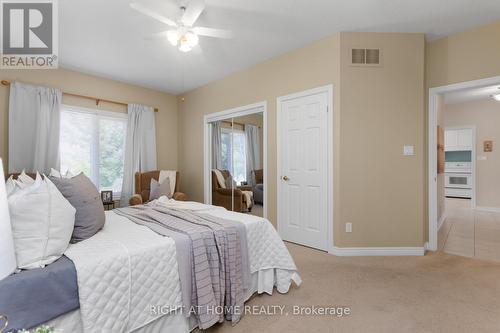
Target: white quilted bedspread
266	249
122	271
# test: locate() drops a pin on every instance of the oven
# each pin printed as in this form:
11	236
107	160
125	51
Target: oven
458	180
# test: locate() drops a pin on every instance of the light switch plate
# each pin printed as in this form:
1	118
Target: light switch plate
482	158
408	150
348	227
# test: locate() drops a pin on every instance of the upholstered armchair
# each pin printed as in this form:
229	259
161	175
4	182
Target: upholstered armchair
222	196
143	187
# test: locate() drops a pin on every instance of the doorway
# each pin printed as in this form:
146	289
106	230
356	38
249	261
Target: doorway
464	189
235	162
305	167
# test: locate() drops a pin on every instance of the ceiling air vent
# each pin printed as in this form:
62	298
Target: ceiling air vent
365	57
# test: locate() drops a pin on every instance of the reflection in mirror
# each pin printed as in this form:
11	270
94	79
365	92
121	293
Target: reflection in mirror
236	162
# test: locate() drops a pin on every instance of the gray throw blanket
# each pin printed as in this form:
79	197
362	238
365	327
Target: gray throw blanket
216	258
34	296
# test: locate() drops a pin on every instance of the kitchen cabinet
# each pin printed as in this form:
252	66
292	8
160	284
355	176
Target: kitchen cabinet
458	139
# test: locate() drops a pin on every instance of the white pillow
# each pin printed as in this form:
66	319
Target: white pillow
57	174
25	179
7	252
42	223
54	173
10	185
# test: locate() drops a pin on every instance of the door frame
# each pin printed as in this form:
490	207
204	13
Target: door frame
328	89
259	107
431	244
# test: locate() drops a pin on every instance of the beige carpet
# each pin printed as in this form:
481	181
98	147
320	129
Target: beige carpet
435	293
257	210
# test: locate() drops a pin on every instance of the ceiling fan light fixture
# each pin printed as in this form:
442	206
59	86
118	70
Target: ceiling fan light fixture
173	37
183	33
184	47
191	39
188	41
496	97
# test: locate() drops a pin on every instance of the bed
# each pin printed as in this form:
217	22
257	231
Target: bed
134	279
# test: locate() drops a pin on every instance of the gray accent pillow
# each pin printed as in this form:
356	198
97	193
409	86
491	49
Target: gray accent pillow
157	190
84	196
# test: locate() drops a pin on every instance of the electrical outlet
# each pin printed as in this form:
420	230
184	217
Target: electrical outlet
348	227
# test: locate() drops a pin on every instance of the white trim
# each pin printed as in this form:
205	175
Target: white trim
330	246
98	112
237	112
378	251
260	107
441	221
432	148
488	209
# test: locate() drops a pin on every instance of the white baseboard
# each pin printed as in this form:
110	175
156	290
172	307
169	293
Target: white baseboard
441	221
377	251
488	209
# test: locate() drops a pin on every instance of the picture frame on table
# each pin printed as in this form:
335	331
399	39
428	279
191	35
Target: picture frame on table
107	197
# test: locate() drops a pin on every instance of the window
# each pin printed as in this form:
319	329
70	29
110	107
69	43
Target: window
93	142
233	151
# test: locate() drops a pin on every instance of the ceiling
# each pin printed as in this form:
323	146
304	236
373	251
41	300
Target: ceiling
467	95
109	39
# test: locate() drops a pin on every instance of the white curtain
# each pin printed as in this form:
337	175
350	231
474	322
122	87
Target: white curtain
34	126
216	145
253	151
140	147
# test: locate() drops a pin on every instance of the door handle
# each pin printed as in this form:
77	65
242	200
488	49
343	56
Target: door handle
285	178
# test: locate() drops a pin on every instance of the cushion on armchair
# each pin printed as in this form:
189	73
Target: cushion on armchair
158	189
144	181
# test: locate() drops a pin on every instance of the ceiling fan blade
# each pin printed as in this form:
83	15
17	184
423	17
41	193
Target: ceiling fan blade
158	35
211	32
193	10
146	11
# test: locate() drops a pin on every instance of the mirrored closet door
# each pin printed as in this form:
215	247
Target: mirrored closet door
236	163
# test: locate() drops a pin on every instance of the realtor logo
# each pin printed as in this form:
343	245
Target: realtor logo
29	34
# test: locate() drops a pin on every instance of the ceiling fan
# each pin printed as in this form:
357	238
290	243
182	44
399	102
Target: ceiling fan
183	33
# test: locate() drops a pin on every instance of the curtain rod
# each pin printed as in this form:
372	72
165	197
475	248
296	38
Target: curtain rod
96	99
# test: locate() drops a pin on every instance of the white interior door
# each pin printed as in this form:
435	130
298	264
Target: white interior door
303	171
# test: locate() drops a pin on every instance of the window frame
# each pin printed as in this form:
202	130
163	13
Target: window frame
95	144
